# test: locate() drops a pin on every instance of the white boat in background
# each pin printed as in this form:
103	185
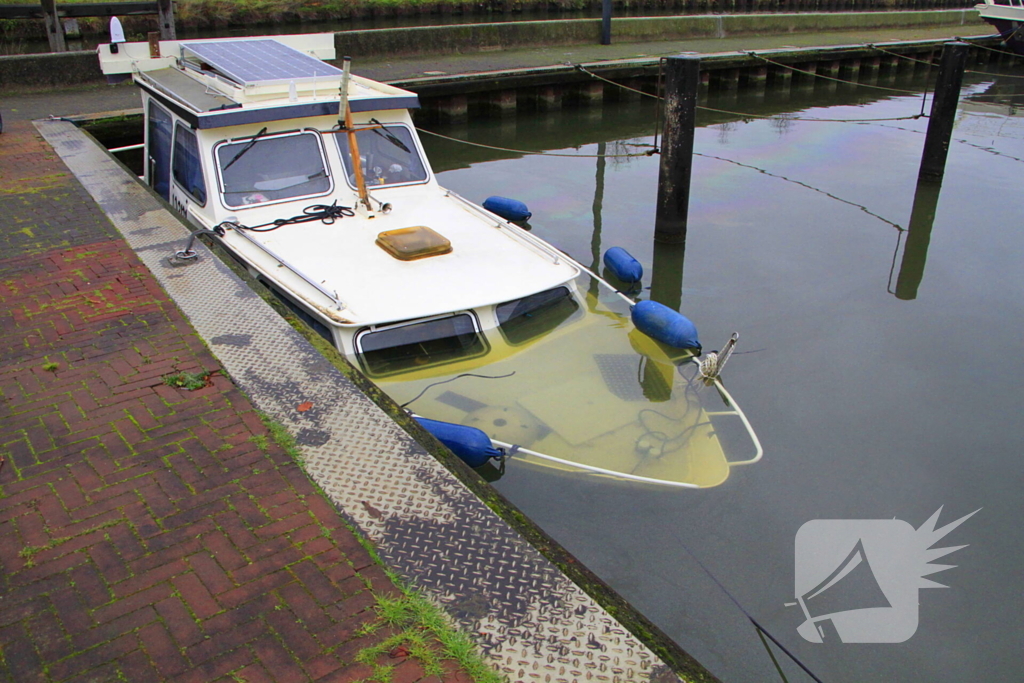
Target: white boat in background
316	181
1007	16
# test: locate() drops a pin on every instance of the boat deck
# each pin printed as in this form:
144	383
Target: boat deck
481	269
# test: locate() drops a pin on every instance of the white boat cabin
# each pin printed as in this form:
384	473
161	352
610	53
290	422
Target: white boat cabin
254	140
251	133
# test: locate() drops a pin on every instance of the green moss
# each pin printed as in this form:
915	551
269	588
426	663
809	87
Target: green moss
29	552
281	436
187	380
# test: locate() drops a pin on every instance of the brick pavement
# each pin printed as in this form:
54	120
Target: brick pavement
147	532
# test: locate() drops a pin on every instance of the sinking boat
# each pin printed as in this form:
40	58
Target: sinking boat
316	180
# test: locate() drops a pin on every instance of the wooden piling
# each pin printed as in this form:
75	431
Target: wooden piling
165	15
940	123
606	22
589	93
499	103
682	79
547	98
54	28
755	78
454	109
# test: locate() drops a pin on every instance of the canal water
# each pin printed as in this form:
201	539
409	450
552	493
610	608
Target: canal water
880	327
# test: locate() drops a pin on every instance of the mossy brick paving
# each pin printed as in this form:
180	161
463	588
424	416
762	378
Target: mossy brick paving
146	532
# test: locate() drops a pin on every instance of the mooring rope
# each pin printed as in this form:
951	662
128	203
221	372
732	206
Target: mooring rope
810	118
746	115
992	36
747	614
536	152
803	184
897	54
990	73
831	78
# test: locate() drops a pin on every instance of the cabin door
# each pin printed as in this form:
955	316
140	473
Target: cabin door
158	150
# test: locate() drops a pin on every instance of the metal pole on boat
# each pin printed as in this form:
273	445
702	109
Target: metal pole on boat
682	78
940	123
346	123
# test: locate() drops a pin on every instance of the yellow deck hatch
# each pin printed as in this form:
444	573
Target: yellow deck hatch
409	244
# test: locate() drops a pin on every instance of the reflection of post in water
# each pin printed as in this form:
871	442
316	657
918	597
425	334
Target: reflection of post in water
666	288
667	274
595	239
919	235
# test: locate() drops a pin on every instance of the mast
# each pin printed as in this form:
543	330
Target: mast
346	124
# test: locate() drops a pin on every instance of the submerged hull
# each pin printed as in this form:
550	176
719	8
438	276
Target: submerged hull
593	395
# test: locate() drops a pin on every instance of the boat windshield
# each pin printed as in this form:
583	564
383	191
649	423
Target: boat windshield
268	169
421	344
389	156
524	319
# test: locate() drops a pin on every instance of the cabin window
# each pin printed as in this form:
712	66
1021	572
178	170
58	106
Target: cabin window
159	148
524	319
186	166
420	344
389	156
266	168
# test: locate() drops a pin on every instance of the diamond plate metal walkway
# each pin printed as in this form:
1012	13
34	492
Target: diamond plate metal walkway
530	621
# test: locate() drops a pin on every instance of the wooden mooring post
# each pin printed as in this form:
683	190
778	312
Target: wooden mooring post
682	79
54	18
54	28
606	22
940	124
165	15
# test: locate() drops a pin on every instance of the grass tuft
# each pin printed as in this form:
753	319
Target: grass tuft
281	436
423	632
188	380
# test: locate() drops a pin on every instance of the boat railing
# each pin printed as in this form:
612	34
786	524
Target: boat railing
338	303
500	223
163	90
734	410
535	242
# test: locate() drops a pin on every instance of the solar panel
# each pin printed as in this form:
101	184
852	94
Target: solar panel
262	61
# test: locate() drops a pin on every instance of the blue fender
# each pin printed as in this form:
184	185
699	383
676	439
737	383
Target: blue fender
469	443
665	325
509	209
623	265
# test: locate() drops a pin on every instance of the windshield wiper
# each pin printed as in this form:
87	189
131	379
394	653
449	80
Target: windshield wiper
247	147
390	137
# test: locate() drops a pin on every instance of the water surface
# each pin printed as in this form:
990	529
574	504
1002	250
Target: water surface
880	366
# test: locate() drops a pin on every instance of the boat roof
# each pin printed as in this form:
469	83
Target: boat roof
489	263
237	81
